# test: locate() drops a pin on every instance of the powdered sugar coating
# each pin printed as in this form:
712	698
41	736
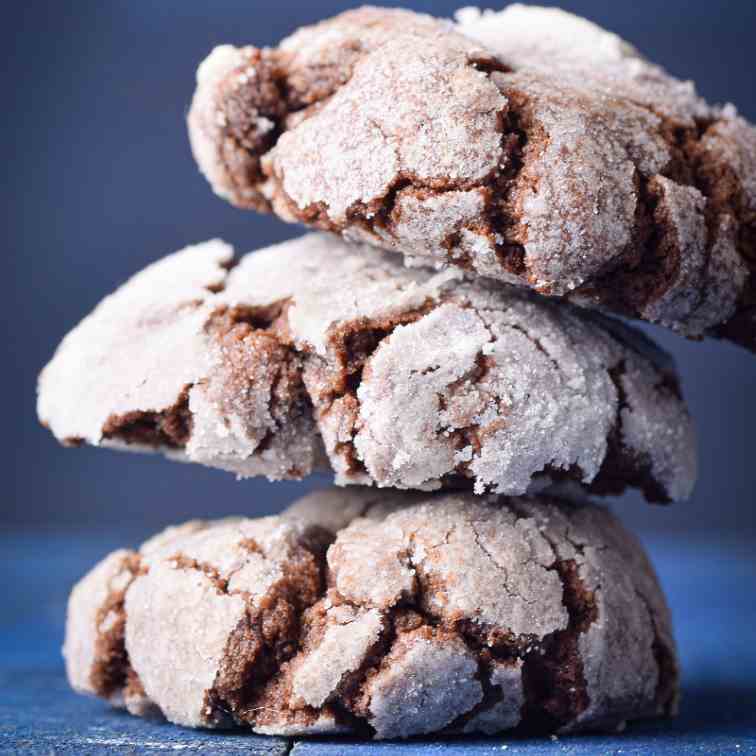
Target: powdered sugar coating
531	35
425	685
506	679
526	145
488	553
177	668
355	149
343	649
159	301
210	74
147	367
262	623
557	43
86	622
598	548
412	379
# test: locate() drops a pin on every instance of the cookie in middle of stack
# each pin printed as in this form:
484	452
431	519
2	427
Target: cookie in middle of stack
407	378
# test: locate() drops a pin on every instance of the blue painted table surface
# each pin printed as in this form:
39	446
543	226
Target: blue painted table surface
711	589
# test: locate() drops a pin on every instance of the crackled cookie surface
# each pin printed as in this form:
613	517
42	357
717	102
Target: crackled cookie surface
404	377
528	146
383	613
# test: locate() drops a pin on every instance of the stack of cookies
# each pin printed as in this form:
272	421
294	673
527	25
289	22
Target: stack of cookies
481	190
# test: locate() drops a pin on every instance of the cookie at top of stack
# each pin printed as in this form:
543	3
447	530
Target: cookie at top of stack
403	377
529	146
384	613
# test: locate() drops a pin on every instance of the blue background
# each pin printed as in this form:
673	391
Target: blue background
97	181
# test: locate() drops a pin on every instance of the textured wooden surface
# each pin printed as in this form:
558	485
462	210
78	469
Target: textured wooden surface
712	589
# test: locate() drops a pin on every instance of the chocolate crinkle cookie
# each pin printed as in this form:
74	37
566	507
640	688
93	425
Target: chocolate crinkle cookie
315	353
528	146
382	613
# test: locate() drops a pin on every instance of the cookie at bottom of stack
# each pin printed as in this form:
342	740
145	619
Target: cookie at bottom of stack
384	614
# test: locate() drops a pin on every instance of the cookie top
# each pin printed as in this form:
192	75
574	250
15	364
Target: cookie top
340	614
408	378
528	146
